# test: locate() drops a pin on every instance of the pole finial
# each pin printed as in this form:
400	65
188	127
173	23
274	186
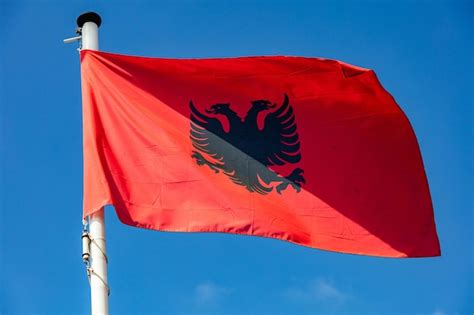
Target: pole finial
89	17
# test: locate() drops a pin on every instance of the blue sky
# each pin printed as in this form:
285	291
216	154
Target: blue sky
422	53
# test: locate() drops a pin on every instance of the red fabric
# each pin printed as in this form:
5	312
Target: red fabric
365	193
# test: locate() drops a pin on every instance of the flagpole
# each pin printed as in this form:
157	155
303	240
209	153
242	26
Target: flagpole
97	270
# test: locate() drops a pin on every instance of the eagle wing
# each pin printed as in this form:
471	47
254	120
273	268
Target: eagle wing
207	133
279	138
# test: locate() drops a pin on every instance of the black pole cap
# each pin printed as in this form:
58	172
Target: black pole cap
89	17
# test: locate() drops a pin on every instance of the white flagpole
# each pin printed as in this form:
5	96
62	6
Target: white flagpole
89	23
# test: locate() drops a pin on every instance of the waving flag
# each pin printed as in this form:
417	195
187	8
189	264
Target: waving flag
307	150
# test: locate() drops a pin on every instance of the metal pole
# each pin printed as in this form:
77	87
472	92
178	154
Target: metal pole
89	23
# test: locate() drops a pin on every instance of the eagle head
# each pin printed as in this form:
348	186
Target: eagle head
221	108
261	105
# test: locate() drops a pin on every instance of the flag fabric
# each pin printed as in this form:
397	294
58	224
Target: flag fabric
308	150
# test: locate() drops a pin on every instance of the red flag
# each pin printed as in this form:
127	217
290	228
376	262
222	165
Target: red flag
307	150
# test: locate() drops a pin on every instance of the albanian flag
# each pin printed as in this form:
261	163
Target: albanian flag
307	150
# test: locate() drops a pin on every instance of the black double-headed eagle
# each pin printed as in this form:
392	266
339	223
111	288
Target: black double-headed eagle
245	152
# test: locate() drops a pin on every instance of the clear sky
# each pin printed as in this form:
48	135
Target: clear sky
422	53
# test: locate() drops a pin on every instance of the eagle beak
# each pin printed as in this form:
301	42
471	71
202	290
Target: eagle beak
210	111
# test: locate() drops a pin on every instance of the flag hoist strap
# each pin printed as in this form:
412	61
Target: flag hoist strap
93	241
90	272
